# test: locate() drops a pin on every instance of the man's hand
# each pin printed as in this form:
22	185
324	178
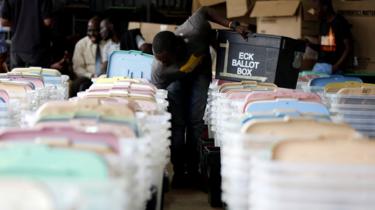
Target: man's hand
244	31
60	64
146	48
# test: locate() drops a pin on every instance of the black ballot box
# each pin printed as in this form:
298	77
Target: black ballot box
260	57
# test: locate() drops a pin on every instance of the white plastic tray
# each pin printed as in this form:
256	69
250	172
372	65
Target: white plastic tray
351	99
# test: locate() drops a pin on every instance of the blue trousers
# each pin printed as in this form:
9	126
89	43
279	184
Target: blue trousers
187	103
324	68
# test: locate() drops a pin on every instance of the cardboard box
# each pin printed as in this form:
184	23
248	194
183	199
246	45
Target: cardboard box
210	2
195	6
149	30
285	18
219	7
361	15
200	3
239	8
230	10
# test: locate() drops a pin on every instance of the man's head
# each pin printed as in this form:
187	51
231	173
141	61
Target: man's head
106	29
167	47
324	8
93	29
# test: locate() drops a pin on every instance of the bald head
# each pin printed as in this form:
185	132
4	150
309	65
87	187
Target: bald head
93	29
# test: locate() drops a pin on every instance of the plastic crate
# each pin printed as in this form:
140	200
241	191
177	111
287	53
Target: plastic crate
132	64
261	57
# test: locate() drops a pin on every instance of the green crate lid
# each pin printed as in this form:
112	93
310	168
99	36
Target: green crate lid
44	162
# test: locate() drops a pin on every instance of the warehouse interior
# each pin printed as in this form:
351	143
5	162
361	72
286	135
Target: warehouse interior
187	104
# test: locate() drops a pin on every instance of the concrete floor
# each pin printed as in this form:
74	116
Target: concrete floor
186	200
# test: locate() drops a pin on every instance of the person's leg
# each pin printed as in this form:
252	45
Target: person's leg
199	85
176	93
78	85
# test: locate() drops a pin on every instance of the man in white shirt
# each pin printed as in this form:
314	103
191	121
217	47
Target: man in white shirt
88	53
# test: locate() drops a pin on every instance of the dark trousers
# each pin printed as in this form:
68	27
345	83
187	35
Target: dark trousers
38	59
78	85
187	103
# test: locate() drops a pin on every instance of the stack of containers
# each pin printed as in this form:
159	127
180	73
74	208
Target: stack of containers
10	117
106	149
150	107
51	176
28	89
225	100
353	103
316	85
260	112
149	125
54	82
304	78
318	173
349	100
256	136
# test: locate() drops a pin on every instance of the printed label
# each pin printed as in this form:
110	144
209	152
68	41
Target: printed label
248	62
245	63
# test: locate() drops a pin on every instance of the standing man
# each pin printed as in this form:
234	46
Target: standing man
30	22
110	34
88	52
335	39
182	65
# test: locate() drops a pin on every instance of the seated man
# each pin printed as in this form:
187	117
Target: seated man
182	65
335	40
87	56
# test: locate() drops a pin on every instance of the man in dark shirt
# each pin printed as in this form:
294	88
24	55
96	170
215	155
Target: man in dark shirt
29	21
182	65
335	39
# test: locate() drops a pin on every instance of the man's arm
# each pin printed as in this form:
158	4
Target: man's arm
213	16
346	34
314	46
79	65
162	76
344	56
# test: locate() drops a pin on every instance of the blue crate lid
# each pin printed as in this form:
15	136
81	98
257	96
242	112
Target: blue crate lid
288	104
323	81
281	114
132	64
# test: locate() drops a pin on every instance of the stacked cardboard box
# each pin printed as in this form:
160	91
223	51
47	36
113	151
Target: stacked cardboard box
232	9
149	30
290	18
